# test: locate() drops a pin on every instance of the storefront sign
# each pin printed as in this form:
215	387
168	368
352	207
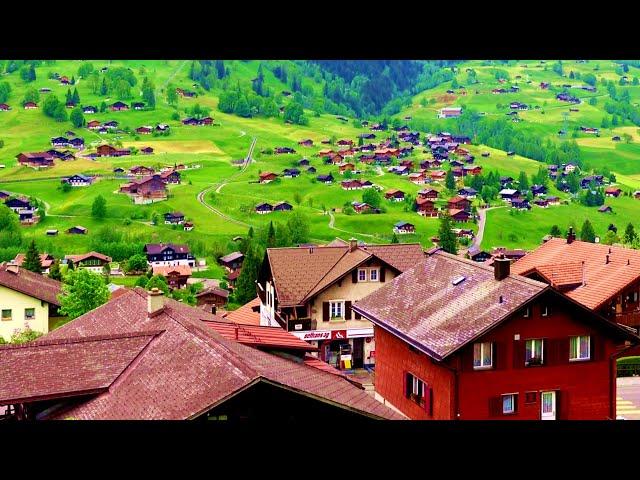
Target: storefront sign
338	334
359	332
314	335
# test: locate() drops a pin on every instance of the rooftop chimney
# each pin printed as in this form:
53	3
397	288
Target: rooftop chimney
571	236
13	268
501	267
155	302
607	261
584	278
353	244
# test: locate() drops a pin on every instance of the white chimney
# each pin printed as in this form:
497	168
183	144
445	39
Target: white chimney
155	302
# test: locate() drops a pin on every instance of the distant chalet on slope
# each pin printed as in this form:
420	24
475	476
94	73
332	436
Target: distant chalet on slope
35	159
167	254
450	112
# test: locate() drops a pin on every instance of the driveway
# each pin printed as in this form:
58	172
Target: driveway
628	398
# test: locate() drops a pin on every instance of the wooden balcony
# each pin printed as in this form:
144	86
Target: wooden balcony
302	324
630	318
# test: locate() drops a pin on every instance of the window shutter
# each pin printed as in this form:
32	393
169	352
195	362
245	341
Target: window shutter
347	310
498	355
428	395
354	276
467	358
563	350
597	348
406	384
325	311
495	406
553	354
382	270
559	409
357	316
518	353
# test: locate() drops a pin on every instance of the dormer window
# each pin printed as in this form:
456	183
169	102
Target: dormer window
373	275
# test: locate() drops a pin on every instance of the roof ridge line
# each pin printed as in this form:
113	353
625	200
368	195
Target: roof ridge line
71	340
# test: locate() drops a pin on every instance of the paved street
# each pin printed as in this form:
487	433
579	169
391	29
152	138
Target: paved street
628	398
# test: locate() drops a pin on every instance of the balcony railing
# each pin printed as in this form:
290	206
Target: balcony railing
301	324
631	319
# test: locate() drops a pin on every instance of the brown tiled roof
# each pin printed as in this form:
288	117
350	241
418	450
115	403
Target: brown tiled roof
60	368
221	292
31	284
189	368
300	273
45	260
164	270
426	307
562	275
602	280
84	256
246	314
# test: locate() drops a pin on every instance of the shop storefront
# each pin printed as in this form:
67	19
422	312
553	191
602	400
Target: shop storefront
343	349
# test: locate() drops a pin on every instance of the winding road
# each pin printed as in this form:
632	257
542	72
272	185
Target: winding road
218	186
482	213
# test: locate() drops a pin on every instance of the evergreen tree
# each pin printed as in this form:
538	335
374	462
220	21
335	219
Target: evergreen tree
75	98
99	207
448	239
54	271
32	258
450	180
77	117
394	238
271	236
245	290
103	88
630	235
555	231
587	233
68	97
523	182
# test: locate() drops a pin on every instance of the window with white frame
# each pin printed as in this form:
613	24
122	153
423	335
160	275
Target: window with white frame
509	402
362	274
336	309
526	312
579	348
373	275
534	352
482	355
415	389
544	311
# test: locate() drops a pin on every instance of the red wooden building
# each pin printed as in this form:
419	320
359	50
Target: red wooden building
456	339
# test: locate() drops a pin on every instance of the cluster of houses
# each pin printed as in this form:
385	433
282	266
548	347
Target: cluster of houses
264	207
21	206
151	187
177	218
526	336
197	121
148	129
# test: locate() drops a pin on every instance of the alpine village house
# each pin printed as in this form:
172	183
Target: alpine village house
456	339
310	291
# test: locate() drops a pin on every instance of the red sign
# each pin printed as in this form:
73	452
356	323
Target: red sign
338	334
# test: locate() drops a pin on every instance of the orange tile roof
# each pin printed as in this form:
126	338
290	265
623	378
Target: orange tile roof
260	336
602	280
245	314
